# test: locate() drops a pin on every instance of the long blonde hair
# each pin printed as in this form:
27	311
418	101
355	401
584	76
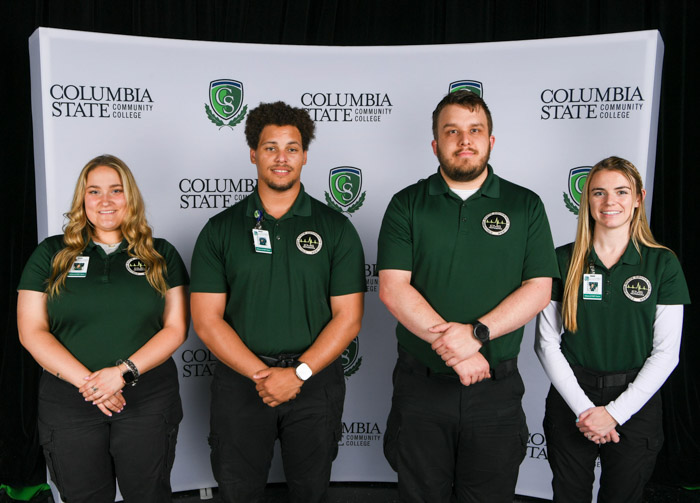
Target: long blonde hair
78	230
639	233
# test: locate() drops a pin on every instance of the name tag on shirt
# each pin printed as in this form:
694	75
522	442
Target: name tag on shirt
592	286
79	267
261	241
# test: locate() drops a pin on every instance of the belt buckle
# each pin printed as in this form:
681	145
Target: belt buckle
600	382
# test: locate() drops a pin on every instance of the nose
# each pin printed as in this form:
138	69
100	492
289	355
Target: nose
281	156
464	139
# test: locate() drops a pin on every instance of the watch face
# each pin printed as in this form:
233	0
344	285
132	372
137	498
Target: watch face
128	377
482	332
303	371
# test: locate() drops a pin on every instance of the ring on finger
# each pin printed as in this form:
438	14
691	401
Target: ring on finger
94	389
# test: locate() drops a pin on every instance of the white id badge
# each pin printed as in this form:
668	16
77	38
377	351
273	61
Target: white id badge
79	267
592	286
261	241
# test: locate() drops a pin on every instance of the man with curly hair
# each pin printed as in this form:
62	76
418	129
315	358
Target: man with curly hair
277	295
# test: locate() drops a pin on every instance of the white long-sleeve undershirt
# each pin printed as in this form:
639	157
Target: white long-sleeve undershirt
668	326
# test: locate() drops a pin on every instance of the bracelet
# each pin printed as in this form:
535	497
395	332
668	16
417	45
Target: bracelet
131	376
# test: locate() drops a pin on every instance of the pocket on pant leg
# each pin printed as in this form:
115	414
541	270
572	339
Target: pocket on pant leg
52	462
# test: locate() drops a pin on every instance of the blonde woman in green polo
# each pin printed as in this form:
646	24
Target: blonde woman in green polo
608	340
102	307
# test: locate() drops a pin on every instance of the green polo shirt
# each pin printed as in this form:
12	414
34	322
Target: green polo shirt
615	333
110	312
279	302
465	257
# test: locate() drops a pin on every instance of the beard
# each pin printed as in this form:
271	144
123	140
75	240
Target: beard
279	186
463	170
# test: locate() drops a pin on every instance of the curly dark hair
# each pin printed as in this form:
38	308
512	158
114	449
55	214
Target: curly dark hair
463	98
278	114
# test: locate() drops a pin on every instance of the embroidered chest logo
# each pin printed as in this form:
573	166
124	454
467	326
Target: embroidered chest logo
309	242
637	288
136	266
496	223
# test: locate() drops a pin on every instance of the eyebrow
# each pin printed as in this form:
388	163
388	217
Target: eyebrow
274	142
450	124
616	188
113	185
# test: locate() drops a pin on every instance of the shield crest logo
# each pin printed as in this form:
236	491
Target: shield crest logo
470	85
351	358
577	179
225	97
345	183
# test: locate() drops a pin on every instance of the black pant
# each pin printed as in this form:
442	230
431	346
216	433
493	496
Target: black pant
244	430
625	466
447	439
86	450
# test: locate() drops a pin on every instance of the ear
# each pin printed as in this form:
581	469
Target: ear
303	162
641	199
252	156
492	140
434	144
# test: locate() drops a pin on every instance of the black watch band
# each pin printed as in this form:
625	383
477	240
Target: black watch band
131	376
481	332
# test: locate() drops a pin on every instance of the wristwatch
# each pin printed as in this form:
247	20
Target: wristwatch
302	370
131	376
481	332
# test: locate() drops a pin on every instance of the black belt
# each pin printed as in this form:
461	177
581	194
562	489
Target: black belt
599	381
502	370
282	360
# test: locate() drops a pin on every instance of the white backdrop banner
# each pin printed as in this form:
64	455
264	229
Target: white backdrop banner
175	111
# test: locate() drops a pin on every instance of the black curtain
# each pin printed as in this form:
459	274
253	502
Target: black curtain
356	22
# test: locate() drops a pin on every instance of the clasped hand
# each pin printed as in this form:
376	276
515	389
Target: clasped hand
460	350
277	385
598	426
103	388
456	342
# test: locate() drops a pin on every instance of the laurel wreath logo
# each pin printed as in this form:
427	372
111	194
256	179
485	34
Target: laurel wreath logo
232	123
354	368
356	206
570	205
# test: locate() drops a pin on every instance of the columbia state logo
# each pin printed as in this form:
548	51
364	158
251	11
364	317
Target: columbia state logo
351	358
136	266
577	180
637	288
468	85
226	99
309	242
345	184
496	223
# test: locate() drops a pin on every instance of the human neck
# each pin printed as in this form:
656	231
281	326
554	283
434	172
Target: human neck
108	238
610	244
277	203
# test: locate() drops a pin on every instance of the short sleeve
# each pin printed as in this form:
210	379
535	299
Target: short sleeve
672	289
177	272
347	263
540	259
208	265
395	247
37	271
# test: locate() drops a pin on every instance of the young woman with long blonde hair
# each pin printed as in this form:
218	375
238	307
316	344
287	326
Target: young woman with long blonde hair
101	308
608	340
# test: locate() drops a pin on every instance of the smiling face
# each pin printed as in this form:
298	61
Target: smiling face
612	200
279	157
463	144
105	203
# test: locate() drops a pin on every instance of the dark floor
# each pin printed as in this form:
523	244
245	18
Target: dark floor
345	492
